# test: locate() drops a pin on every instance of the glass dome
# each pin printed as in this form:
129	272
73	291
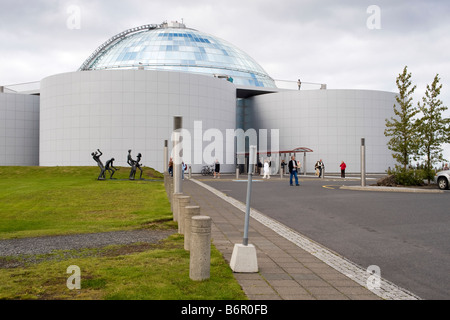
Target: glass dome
175	47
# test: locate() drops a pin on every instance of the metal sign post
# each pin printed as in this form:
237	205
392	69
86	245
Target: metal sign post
177	175
363	162
252	161
166	156
244	257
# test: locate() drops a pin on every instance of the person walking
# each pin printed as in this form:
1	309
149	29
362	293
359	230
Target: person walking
319	165
283	165
266	169
183	169
343	166
293	167
259	167
217	169
171	167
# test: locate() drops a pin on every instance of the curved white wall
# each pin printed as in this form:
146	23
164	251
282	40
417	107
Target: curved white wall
127	109
19	130
331	122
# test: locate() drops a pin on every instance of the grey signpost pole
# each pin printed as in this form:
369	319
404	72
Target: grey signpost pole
252	161
304	163
244	257
363	162
177	125
166	156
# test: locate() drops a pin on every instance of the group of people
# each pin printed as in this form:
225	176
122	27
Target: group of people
295	166
319	166
183	168
109	165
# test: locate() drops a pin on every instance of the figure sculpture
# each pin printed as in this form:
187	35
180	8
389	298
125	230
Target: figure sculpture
96	156
132	164
109	165
138	165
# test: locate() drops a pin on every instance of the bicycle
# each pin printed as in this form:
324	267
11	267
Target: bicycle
207	170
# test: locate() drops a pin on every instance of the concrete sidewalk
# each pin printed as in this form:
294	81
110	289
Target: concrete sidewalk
286	271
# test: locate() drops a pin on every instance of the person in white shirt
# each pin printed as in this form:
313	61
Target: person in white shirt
266	169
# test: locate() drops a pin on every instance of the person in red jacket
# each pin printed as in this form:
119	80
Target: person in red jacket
343	166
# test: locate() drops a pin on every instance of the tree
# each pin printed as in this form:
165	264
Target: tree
434	131
404	141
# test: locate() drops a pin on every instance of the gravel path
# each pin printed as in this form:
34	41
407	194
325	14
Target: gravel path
43	245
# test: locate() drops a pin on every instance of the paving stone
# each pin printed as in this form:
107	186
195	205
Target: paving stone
290	267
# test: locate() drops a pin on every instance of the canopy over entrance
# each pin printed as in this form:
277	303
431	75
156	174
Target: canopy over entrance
278	159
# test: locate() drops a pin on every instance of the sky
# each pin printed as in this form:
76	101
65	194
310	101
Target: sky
346	44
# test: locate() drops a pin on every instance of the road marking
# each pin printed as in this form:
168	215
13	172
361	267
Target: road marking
387	289
330	187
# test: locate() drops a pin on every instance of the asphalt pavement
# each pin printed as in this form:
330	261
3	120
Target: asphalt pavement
405	234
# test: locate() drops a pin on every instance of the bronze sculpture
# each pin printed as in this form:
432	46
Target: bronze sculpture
96	156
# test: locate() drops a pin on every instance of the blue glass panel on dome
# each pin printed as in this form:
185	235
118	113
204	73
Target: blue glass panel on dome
185	50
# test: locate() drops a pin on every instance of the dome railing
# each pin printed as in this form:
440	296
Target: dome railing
111	41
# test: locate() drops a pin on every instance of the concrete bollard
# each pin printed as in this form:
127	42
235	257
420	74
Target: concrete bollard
190	212
170	186
165	184
200	248
175	205
183	201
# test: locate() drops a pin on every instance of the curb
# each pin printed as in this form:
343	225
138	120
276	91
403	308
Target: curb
390	189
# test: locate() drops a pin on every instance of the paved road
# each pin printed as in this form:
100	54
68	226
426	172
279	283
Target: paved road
406	234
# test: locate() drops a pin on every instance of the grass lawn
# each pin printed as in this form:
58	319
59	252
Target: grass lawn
131	272
39	201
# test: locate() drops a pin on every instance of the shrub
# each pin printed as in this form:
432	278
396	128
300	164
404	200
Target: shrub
408	177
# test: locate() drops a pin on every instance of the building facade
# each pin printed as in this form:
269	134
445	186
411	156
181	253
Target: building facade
19	129
330	122
127	93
